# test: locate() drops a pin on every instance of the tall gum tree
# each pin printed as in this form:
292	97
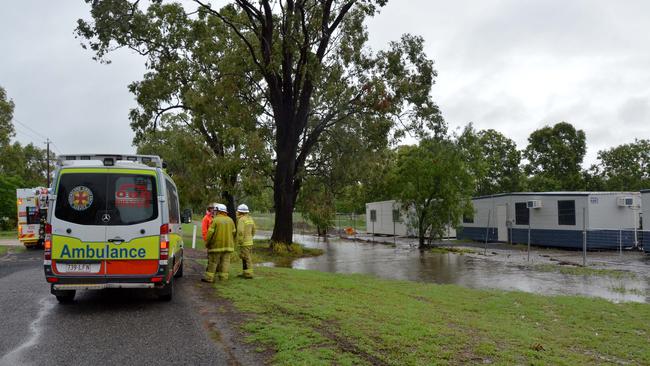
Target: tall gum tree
309	71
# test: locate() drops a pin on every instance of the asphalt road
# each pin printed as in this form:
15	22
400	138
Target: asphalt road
108	327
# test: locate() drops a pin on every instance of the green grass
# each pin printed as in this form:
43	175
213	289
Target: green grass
11	234
583	271
630	290
263	254
4	249
443	250
316	318
265	221
187	236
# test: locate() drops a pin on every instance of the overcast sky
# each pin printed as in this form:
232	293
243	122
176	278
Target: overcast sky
510	65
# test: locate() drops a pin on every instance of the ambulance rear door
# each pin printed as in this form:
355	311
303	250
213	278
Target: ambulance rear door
133	223
78	227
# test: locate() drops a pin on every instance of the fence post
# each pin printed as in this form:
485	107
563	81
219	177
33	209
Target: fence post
528	235
194	237
620	241
636	238
584	237
487	232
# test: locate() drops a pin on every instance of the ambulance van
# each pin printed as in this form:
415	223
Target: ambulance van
113	222
31	207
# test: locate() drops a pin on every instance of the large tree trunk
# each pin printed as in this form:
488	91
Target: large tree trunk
230	204
284	197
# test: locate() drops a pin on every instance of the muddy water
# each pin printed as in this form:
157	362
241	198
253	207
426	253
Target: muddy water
406	263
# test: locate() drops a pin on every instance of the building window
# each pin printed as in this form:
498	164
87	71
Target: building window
373	215
566	212
396	216
522	214
468	218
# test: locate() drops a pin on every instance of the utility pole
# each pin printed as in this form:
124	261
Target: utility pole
48	162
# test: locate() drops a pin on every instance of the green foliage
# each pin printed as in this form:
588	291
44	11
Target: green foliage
269	79
310	317
625	167
492	159
20	166
6	115
317	204
555	155
434	186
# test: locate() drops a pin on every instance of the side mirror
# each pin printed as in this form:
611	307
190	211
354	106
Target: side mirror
186	216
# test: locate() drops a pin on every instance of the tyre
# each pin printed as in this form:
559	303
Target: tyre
65	297
179	273
166	293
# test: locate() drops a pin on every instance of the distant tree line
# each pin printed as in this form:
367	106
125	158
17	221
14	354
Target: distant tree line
21	166
552	161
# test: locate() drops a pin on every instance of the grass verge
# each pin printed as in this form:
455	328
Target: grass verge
583	271
263	254
314	318
443	250
4	249
11	234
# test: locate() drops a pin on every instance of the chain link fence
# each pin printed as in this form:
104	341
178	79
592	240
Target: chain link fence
563	229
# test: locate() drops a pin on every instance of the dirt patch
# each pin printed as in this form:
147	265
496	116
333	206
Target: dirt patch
220	318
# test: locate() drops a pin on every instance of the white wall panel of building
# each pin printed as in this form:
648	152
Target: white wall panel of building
559	221
384	223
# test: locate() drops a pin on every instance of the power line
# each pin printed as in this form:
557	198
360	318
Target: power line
30	135
56	148
31	129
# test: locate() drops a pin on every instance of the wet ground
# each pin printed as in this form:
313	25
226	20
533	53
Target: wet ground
625	277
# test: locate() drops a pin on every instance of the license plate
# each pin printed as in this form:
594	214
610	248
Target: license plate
78	267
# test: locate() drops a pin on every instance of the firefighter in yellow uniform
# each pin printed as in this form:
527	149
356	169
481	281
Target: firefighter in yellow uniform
220	243
245	233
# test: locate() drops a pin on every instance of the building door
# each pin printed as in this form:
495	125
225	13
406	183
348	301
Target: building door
502	227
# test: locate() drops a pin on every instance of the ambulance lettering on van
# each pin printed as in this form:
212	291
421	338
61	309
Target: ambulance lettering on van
104	253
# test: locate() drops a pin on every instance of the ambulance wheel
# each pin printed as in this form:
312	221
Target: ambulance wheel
65	296
167	292
179	273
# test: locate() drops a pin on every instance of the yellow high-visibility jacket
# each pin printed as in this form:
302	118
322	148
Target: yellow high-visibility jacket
245	231
221	234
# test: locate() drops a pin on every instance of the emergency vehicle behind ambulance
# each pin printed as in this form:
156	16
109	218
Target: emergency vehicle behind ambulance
114	222
31	207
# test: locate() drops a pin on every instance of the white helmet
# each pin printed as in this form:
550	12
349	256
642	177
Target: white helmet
242	208
213	205
221	207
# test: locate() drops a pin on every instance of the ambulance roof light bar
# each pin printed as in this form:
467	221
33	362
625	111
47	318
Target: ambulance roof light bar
110	159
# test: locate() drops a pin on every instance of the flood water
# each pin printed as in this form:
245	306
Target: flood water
404	262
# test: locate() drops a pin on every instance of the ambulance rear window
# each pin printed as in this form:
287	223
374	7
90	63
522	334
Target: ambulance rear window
106	199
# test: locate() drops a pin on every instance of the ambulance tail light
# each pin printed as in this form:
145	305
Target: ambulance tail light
20	201
164	242
47	245
20	229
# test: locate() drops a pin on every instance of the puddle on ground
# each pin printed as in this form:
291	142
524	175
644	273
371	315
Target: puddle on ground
404	262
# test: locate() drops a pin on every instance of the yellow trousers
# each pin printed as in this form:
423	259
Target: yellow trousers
219	264
246	255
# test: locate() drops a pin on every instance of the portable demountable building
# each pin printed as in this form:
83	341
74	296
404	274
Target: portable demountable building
386	218
556	219
389	218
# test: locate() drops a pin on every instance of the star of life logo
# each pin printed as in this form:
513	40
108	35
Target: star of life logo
80	198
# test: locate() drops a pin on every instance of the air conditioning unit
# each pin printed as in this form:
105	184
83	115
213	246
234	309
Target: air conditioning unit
626	201
534	204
